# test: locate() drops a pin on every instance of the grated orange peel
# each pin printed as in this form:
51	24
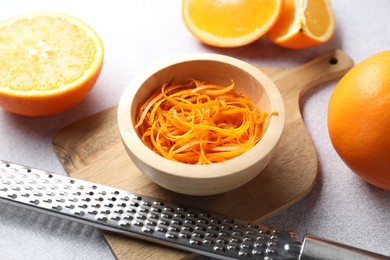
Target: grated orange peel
200	123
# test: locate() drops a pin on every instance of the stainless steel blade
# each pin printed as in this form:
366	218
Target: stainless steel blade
163	222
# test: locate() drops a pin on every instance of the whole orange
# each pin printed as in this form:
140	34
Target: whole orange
359	119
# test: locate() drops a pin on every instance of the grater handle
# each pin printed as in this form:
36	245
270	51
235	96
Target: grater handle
314	248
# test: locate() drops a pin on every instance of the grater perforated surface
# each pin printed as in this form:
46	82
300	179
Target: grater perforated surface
143	217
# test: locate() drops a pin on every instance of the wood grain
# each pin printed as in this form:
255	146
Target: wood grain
91	150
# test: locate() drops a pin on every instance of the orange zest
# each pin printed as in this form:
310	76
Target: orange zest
199	123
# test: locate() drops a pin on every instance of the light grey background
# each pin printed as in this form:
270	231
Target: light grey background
136	34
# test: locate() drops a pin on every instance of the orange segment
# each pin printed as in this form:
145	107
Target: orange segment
48	63
230	23
303	24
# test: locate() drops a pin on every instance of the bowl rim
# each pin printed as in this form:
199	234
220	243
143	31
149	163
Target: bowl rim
265	146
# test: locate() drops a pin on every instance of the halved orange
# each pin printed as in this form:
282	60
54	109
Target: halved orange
230	23
303	24
48	63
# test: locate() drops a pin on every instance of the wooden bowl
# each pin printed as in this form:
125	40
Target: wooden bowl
202	179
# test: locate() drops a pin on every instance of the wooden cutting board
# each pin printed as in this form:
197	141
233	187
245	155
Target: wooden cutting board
91	150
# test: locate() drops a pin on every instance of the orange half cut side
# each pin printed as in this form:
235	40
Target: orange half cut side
230	23
48	63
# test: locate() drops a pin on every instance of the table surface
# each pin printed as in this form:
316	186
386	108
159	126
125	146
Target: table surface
135	34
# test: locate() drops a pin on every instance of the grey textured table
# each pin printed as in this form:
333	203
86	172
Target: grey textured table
340	207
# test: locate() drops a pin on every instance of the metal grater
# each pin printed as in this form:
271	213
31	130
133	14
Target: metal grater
152	219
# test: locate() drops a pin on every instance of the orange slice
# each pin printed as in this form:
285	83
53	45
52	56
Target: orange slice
303	24
230	23
48	63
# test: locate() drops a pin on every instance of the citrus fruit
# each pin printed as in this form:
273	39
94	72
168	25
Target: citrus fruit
303	24
48	63
359	119
230	23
